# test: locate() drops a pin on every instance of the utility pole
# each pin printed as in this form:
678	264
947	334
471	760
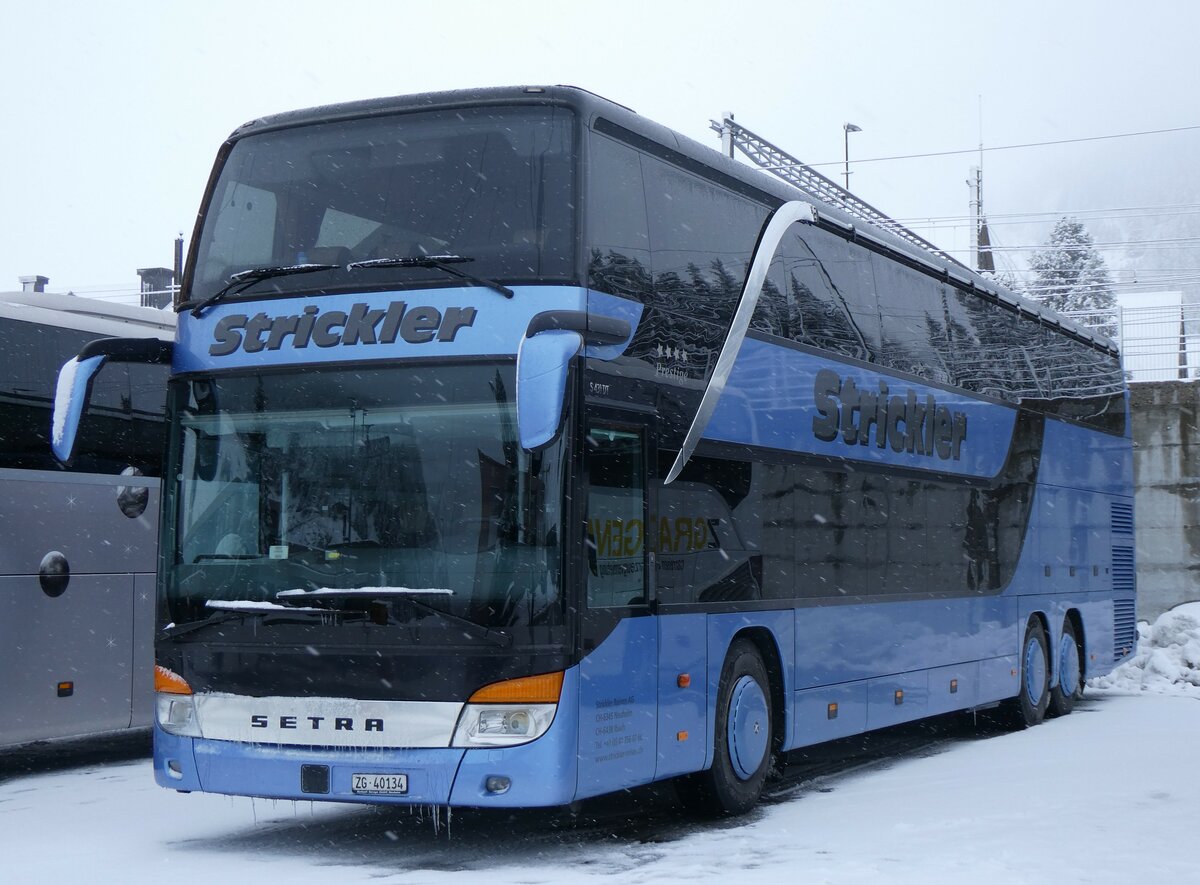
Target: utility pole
727	134
847	128
975	184
981	252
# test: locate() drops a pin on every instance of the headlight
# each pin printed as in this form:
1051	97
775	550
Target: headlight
177	714
491	725
504	714
174	704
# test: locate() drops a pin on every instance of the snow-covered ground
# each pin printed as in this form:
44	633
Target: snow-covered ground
1106	795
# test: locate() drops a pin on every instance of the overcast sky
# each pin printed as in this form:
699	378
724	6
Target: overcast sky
113	112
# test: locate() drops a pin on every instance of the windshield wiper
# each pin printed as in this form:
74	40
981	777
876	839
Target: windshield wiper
410	595
441	262
247	278
267	612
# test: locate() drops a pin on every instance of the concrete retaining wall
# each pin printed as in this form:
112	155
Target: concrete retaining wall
1166	467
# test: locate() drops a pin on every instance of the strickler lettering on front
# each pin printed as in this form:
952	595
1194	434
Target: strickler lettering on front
904	421
360	325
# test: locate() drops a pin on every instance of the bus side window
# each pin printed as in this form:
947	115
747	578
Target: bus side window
616	518
818	310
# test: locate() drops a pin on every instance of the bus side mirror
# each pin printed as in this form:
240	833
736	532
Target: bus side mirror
75	383
542	364
70	398
553	339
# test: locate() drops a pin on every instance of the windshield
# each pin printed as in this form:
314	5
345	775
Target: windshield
490	184
402	478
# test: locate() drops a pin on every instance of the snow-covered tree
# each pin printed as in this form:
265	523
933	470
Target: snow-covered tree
1071	276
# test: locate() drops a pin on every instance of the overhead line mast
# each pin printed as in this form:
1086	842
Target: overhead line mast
783	165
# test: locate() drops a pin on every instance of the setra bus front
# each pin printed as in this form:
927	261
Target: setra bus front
362	569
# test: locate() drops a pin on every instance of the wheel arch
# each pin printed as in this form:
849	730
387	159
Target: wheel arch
1075	617
1039	618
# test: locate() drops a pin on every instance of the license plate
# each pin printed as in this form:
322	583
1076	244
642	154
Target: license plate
379	784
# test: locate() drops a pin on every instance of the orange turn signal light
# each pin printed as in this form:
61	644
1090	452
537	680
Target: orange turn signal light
542	689
169	682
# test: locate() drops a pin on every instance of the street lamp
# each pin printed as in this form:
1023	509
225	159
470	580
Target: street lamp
847	128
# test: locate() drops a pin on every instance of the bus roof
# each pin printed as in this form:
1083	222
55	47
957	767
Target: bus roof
88	314
593	108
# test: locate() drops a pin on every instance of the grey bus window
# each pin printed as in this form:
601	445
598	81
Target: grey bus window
618	250
616	518
124	426
701	240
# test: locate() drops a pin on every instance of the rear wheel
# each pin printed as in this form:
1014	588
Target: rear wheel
742	741
1068	683
1029	707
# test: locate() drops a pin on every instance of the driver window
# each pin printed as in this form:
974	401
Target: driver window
616	517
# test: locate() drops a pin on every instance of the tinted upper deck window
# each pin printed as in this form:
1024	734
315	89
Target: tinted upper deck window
493	184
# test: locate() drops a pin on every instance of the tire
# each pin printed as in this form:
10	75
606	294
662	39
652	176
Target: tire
1068	684
1028	708
743	738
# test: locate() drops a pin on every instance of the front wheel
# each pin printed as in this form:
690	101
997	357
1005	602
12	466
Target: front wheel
742	741
1068	684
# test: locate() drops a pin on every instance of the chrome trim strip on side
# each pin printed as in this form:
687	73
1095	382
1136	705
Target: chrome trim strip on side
315	721
783	218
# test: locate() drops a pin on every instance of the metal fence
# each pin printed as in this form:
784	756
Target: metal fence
1158	343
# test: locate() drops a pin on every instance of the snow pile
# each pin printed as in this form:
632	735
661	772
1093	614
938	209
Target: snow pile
1167	660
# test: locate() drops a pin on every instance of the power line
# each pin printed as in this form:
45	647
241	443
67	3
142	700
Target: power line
1012	147
1088	214
1171	242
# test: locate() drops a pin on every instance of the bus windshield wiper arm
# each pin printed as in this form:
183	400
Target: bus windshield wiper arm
441	262
225	612
246	278
411	595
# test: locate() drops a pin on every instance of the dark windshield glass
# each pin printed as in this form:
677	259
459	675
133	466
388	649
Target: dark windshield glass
350	479
492	184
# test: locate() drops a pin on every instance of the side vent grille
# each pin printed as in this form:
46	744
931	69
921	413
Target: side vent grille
1124	628
1122	519
1123	580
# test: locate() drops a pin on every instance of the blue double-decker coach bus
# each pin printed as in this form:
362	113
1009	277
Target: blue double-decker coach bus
522	450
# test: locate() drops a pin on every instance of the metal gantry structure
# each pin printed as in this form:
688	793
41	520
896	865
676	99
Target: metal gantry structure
779	162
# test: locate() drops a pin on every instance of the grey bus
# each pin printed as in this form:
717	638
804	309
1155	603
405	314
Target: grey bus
78	542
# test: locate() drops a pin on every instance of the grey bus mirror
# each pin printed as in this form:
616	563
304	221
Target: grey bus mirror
75	383
552	340
542	366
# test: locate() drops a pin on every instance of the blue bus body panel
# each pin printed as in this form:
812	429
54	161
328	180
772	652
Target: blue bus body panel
683	709
273	772
768	401
844	643
1079	458
371	326
618	704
